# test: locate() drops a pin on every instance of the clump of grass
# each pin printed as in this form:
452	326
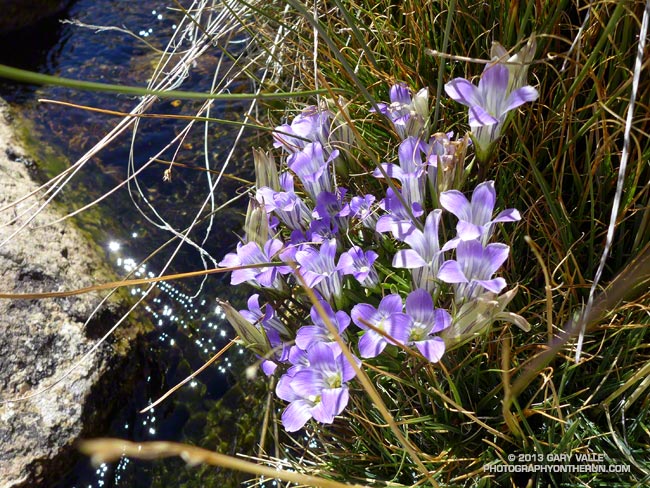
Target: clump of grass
508	393
558	163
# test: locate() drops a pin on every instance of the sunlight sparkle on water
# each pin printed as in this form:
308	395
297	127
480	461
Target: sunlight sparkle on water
191	325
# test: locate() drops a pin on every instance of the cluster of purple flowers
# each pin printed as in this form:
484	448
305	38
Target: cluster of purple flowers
350	248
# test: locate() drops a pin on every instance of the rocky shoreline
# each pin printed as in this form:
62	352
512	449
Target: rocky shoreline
40	340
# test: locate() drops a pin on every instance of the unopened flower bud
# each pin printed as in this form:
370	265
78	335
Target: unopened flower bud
254	338
266	172
518	64
342	136
256	225
420	104
476	316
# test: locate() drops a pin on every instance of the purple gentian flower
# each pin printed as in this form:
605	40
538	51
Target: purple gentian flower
317	391
322	230
475	218
409	172
319	270
251	253
311	167
398	220
473	268
399	94
288	206
280	352
360	265
267	318
318	332
489	104
409	115
298	359
388	318
518	64
329	206
360	208
297	241
286	181
425	256
312	125
427	321
272	328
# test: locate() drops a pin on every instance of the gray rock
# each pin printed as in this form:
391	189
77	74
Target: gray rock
40	340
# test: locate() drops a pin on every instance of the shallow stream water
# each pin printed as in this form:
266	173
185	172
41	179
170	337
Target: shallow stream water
188	327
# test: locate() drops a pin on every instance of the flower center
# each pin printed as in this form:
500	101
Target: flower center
418	332
334	381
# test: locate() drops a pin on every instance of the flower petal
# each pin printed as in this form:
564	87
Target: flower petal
371	344
419	304
519	97
239	276
273	247
347	370
451	272
391	304
442	320
431	226
385	224
409	259
399	93
311	278
266	276
467	231
398	327
493	86
269	367
362	311
479	117
495	285
463	91
456	203
296	415
334	400
308	382
483	199
403	229
322	414
496	254
284	389
391	170
251	253
308	335
508	215
410	155
230	260
342	320
432	349
321	358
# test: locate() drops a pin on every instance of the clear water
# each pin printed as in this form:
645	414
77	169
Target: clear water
188	331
